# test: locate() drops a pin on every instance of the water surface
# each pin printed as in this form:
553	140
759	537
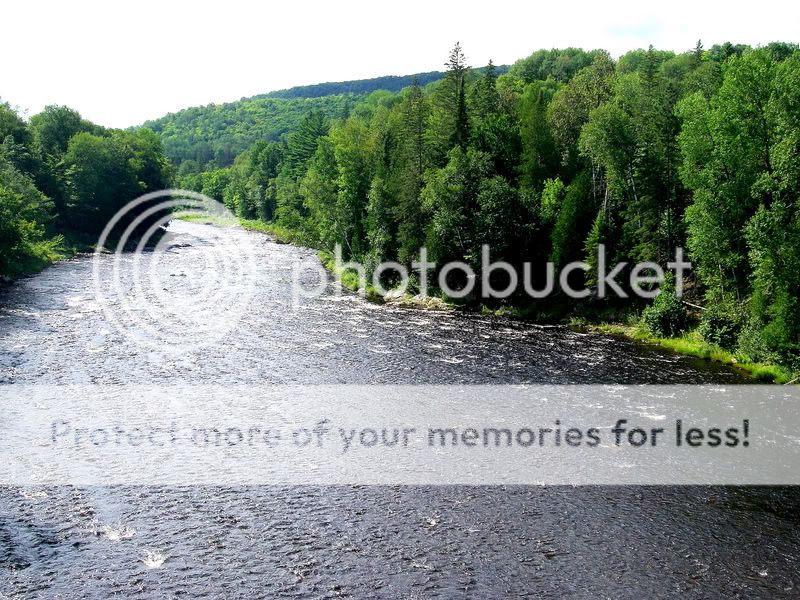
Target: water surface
364	541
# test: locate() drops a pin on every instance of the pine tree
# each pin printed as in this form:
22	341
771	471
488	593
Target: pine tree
539	156
457	71
411	168
448	125
698	52
485	99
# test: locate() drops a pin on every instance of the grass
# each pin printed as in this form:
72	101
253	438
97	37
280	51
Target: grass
206	218
348	277
38	255
281	234
690	344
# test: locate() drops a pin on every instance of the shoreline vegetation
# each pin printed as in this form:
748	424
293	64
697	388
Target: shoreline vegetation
63	247
62	178
689	343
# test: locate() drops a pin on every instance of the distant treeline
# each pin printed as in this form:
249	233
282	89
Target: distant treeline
390	83
62	178
568	150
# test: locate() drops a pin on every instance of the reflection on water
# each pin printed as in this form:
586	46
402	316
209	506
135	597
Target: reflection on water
353	540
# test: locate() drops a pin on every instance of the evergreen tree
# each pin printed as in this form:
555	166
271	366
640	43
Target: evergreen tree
410	169
448	125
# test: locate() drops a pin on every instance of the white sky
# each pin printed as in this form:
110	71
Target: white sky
120	64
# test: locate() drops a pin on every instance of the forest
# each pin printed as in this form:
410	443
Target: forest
205	137
567	150
391	83
563	151
62	178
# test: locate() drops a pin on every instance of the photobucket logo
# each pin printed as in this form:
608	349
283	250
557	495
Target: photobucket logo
644	279
173	285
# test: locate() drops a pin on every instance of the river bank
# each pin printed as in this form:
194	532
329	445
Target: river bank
62	247
689	343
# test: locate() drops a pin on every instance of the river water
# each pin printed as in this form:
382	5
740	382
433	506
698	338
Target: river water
363	541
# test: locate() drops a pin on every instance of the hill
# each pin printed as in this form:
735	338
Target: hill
217	133
390	83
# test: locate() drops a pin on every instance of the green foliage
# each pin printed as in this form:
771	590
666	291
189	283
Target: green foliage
724	142
251	187
320	191
666	316
721	325
217	133
12	125
53	128
600	233
498	204
539	159
560	65
449	198
380	234
408	169
551	200
568	150
571	105
63	176
573	222
741	162
352	145
107	172
390	83
631	139
24	212
213	136
448	123
493	127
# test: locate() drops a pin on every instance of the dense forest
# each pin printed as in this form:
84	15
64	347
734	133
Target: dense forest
390	83
567	150
206	137
62	178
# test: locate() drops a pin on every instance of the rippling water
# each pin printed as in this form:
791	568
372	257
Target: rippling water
364	541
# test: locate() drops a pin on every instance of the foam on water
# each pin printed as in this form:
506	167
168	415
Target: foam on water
114	532
153	559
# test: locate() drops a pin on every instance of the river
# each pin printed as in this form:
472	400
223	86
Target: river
364	541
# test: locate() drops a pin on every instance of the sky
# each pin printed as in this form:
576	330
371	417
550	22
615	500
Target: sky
121	63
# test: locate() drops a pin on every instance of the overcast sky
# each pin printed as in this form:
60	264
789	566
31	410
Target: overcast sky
122	63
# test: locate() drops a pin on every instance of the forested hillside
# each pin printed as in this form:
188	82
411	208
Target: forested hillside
568	150
390	83
206	137
62	178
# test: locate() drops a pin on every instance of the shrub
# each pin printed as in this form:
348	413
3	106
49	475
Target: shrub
666	316
721	325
